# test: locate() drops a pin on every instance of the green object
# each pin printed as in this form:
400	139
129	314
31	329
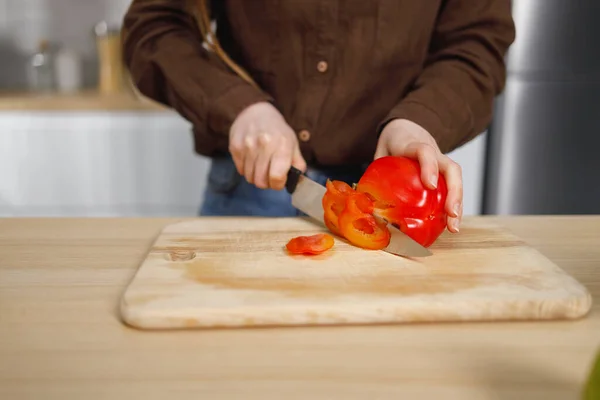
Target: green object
592	386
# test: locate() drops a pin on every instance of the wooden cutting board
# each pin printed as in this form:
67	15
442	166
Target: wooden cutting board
235	272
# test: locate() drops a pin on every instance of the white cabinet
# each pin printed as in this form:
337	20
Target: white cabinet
98	164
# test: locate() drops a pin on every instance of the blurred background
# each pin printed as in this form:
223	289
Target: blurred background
76	139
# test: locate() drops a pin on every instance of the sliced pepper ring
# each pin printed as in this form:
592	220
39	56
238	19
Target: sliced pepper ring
334	202
359	226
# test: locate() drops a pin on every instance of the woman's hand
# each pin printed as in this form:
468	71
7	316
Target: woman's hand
402	137
264	146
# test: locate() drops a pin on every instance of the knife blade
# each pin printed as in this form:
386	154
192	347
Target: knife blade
307	197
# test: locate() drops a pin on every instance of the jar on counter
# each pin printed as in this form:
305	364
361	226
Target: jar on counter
68	71
111	77
41	69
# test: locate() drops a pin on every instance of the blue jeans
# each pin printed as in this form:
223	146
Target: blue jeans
229	194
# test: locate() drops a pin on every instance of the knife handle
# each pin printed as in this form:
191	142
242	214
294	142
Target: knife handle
293	176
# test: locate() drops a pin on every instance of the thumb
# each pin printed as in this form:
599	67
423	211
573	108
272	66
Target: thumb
297	159
381	150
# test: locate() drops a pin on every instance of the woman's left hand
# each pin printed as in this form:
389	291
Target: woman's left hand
402	137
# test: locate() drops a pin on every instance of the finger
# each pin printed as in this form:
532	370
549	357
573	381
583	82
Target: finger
236	148
281	161
454	222
261	170
380	151
266	148
453	174
250	154
453	225
428	160
297	159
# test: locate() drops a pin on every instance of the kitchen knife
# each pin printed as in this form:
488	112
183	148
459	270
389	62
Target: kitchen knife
307	197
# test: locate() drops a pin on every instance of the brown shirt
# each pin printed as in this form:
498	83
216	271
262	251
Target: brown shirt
337	69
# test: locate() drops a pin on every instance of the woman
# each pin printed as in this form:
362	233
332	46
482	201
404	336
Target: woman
322	85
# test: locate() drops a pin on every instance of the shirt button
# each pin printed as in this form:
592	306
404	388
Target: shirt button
322	66
304	135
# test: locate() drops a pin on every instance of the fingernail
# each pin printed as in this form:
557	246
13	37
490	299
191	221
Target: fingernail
433	180
456	209
455	225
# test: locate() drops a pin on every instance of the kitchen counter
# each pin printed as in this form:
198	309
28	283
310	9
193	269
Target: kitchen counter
83	101
61	337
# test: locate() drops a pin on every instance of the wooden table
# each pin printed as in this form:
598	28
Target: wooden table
61	337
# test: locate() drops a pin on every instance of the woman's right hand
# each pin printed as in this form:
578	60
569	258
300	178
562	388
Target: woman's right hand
264	146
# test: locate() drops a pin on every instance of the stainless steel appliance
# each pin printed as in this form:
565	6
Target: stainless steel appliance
543	147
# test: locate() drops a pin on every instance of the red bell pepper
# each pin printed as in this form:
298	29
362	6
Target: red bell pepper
395	186
314	244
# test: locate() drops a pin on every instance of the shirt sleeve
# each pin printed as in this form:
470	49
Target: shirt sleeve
453	96
163	51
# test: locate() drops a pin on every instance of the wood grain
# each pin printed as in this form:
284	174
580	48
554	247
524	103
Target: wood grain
235	273
61	336
81	101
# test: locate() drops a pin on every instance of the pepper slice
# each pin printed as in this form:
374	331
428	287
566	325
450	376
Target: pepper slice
315	244
359	226
334	202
